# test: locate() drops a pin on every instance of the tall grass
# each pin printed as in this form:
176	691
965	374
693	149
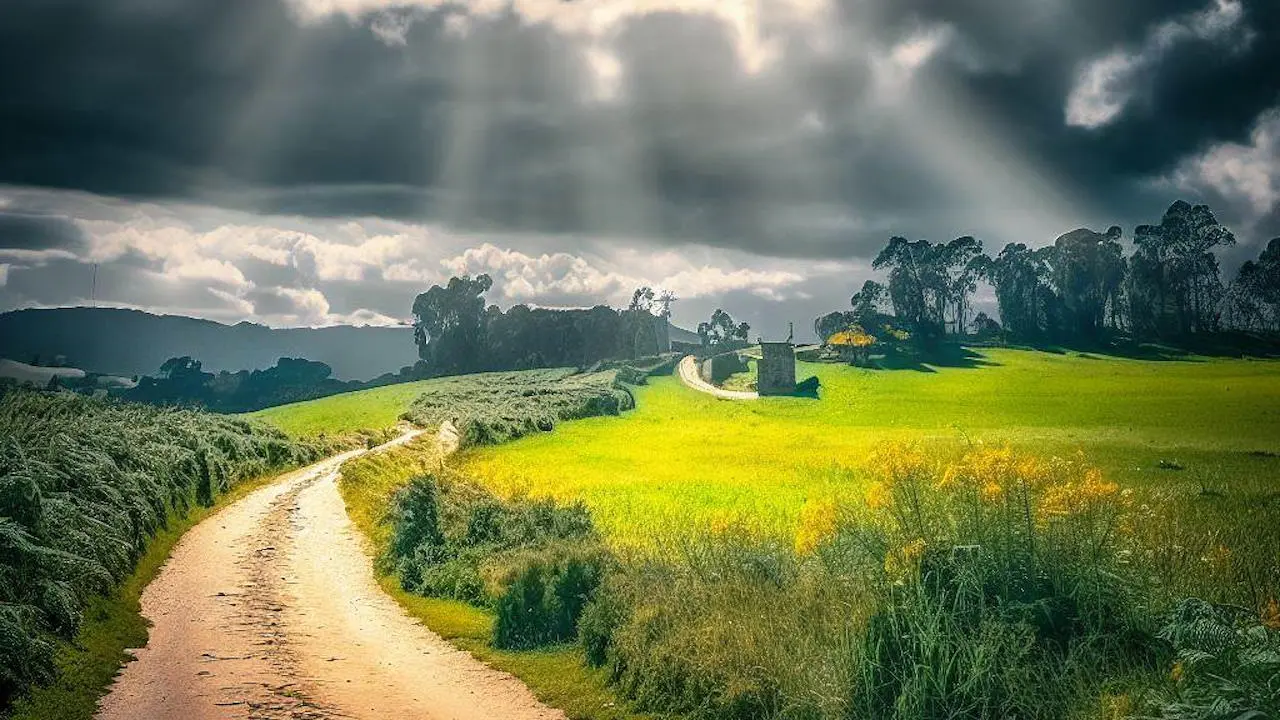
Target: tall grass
492	408
986	585
84	485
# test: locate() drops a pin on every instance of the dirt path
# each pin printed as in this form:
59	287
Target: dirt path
269	609
688	370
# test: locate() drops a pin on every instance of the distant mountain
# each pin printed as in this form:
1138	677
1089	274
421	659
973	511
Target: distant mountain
132	342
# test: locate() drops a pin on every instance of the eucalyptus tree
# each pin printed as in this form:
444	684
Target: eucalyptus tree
722	329
1021	278
960	265
1253	300
448	323
1174	286
1088	274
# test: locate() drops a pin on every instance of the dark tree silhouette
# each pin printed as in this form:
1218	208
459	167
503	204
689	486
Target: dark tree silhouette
721	330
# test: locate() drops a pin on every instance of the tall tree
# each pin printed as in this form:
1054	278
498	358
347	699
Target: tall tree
913	282
448	325
1175	286
867	304
1088	273
959	267
1021	278
721	329
1253	300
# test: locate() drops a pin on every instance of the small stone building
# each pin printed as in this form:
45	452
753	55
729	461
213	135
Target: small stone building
776	371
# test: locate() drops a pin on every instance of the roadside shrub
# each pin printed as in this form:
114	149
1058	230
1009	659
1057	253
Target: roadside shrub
84	485
535	562
725	365
997	557
544	598
417	522
728	627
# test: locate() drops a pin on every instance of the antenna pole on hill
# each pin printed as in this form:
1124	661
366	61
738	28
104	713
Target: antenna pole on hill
93	288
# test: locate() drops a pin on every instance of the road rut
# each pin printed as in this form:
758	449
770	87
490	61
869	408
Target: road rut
270	610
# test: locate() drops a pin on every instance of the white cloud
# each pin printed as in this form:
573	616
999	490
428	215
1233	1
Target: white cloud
286	271
1106	85
392	28
894	69
291	306
563	276
4	275
1102	90
364	316
1247	175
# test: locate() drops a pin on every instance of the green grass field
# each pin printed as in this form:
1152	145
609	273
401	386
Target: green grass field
683	461
373	409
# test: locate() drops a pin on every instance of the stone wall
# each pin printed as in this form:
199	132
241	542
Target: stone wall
776	373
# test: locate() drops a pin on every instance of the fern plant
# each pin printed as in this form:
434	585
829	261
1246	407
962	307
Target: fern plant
1227	665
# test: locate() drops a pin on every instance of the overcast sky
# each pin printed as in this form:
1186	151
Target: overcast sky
310	162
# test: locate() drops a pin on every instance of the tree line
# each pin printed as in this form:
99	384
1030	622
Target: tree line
1082	288
457	333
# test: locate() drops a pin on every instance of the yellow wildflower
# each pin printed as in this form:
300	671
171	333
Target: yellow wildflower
878	496
1117	707
818	522
904	562
950	477
1271	614
991	492
912	551
1176	673
721	523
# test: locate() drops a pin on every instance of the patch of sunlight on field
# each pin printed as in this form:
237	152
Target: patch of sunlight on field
685	461
372	409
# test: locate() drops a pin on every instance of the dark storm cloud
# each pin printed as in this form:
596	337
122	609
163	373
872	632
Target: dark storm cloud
498	128
32	232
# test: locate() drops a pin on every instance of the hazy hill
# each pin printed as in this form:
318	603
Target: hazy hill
132	342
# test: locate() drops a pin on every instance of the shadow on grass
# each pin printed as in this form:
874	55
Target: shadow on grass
1192	348
949	355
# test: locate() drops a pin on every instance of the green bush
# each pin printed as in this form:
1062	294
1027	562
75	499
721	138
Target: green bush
544	601
84	485
535	562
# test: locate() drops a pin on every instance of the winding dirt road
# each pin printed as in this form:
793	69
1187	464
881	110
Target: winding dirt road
688	370
269	609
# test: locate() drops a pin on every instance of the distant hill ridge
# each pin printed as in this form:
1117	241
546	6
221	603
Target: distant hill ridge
132	342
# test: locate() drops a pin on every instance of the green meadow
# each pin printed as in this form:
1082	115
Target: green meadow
684	461
373	409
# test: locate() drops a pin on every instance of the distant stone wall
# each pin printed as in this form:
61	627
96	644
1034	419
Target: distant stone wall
776	369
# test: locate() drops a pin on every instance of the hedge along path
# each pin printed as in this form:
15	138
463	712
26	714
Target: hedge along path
688	370
270	610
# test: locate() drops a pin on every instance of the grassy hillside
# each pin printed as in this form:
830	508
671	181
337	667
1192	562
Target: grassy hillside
685	460
372	409
488	407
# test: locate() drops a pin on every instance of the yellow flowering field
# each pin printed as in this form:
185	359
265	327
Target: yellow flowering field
685	462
